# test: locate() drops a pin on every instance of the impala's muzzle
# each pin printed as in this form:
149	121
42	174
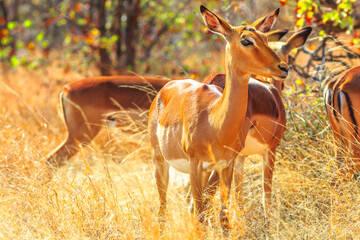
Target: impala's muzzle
285	71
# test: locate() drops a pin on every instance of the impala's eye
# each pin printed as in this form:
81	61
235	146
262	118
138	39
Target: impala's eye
246	42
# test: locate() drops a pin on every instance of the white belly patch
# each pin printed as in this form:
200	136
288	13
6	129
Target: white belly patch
183	165
253	146
207	166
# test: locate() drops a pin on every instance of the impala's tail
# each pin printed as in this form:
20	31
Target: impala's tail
61	105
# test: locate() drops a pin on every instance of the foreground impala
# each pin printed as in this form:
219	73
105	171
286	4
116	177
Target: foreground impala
342	100
89	103
195	127
265	122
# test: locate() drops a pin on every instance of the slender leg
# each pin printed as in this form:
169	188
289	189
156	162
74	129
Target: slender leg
197	188
239	179
268	168
189	199
225	187
356	160
162	181
341	162
211	187
349	164
69	147
64	151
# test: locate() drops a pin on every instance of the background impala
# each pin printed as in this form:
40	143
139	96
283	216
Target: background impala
341	96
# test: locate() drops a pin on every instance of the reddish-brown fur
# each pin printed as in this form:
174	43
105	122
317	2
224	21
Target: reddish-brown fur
342	101
265	121
193	126
86	104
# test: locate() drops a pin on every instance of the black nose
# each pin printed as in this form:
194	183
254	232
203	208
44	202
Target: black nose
283	68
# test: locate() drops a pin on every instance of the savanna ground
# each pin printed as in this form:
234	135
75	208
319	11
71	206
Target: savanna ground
107	191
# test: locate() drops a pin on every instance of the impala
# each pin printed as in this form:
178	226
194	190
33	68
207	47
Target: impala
89	103
342	103
265	122
196	127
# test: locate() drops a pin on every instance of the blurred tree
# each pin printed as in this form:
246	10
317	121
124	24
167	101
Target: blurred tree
329	15
138	35
132	14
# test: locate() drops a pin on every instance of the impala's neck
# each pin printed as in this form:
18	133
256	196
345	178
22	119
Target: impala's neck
278	85
229	111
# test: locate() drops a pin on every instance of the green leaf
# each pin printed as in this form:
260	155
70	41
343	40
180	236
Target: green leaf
345	6
28	23
40	36
322	33
81	21
44	44
11	25
14	61
67	39
4	53
5	41
19	44
104	40
300	22
114	38
61	22
34	64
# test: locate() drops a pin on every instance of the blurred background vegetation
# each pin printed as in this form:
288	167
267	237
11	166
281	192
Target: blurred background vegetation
147	37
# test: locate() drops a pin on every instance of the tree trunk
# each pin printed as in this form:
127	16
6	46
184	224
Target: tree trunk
133	11
105	62
4	15
116	30
15	8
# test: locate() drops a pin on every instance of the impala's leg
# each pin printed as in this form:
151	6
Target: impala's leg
356	152
211	187
341	152
82	127
351	163
68	148
206	176
225	187
61	153
197	188
268	168
162	181
239	179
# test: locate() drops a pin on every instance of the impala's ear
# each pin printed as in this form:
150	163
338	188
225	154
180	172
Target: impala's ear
297	40
264	24
214	22
276	35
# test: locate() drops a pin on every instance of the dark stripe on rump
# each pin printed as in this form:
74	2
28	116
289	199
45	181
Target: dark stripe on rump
334	110
351	111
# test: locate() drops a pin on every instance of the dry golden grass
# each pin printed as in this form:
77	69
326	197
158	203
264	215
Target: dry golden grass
107	190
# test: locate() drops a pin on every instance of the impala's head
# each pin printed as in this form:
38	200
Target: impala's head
276	35
247	47
283	49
